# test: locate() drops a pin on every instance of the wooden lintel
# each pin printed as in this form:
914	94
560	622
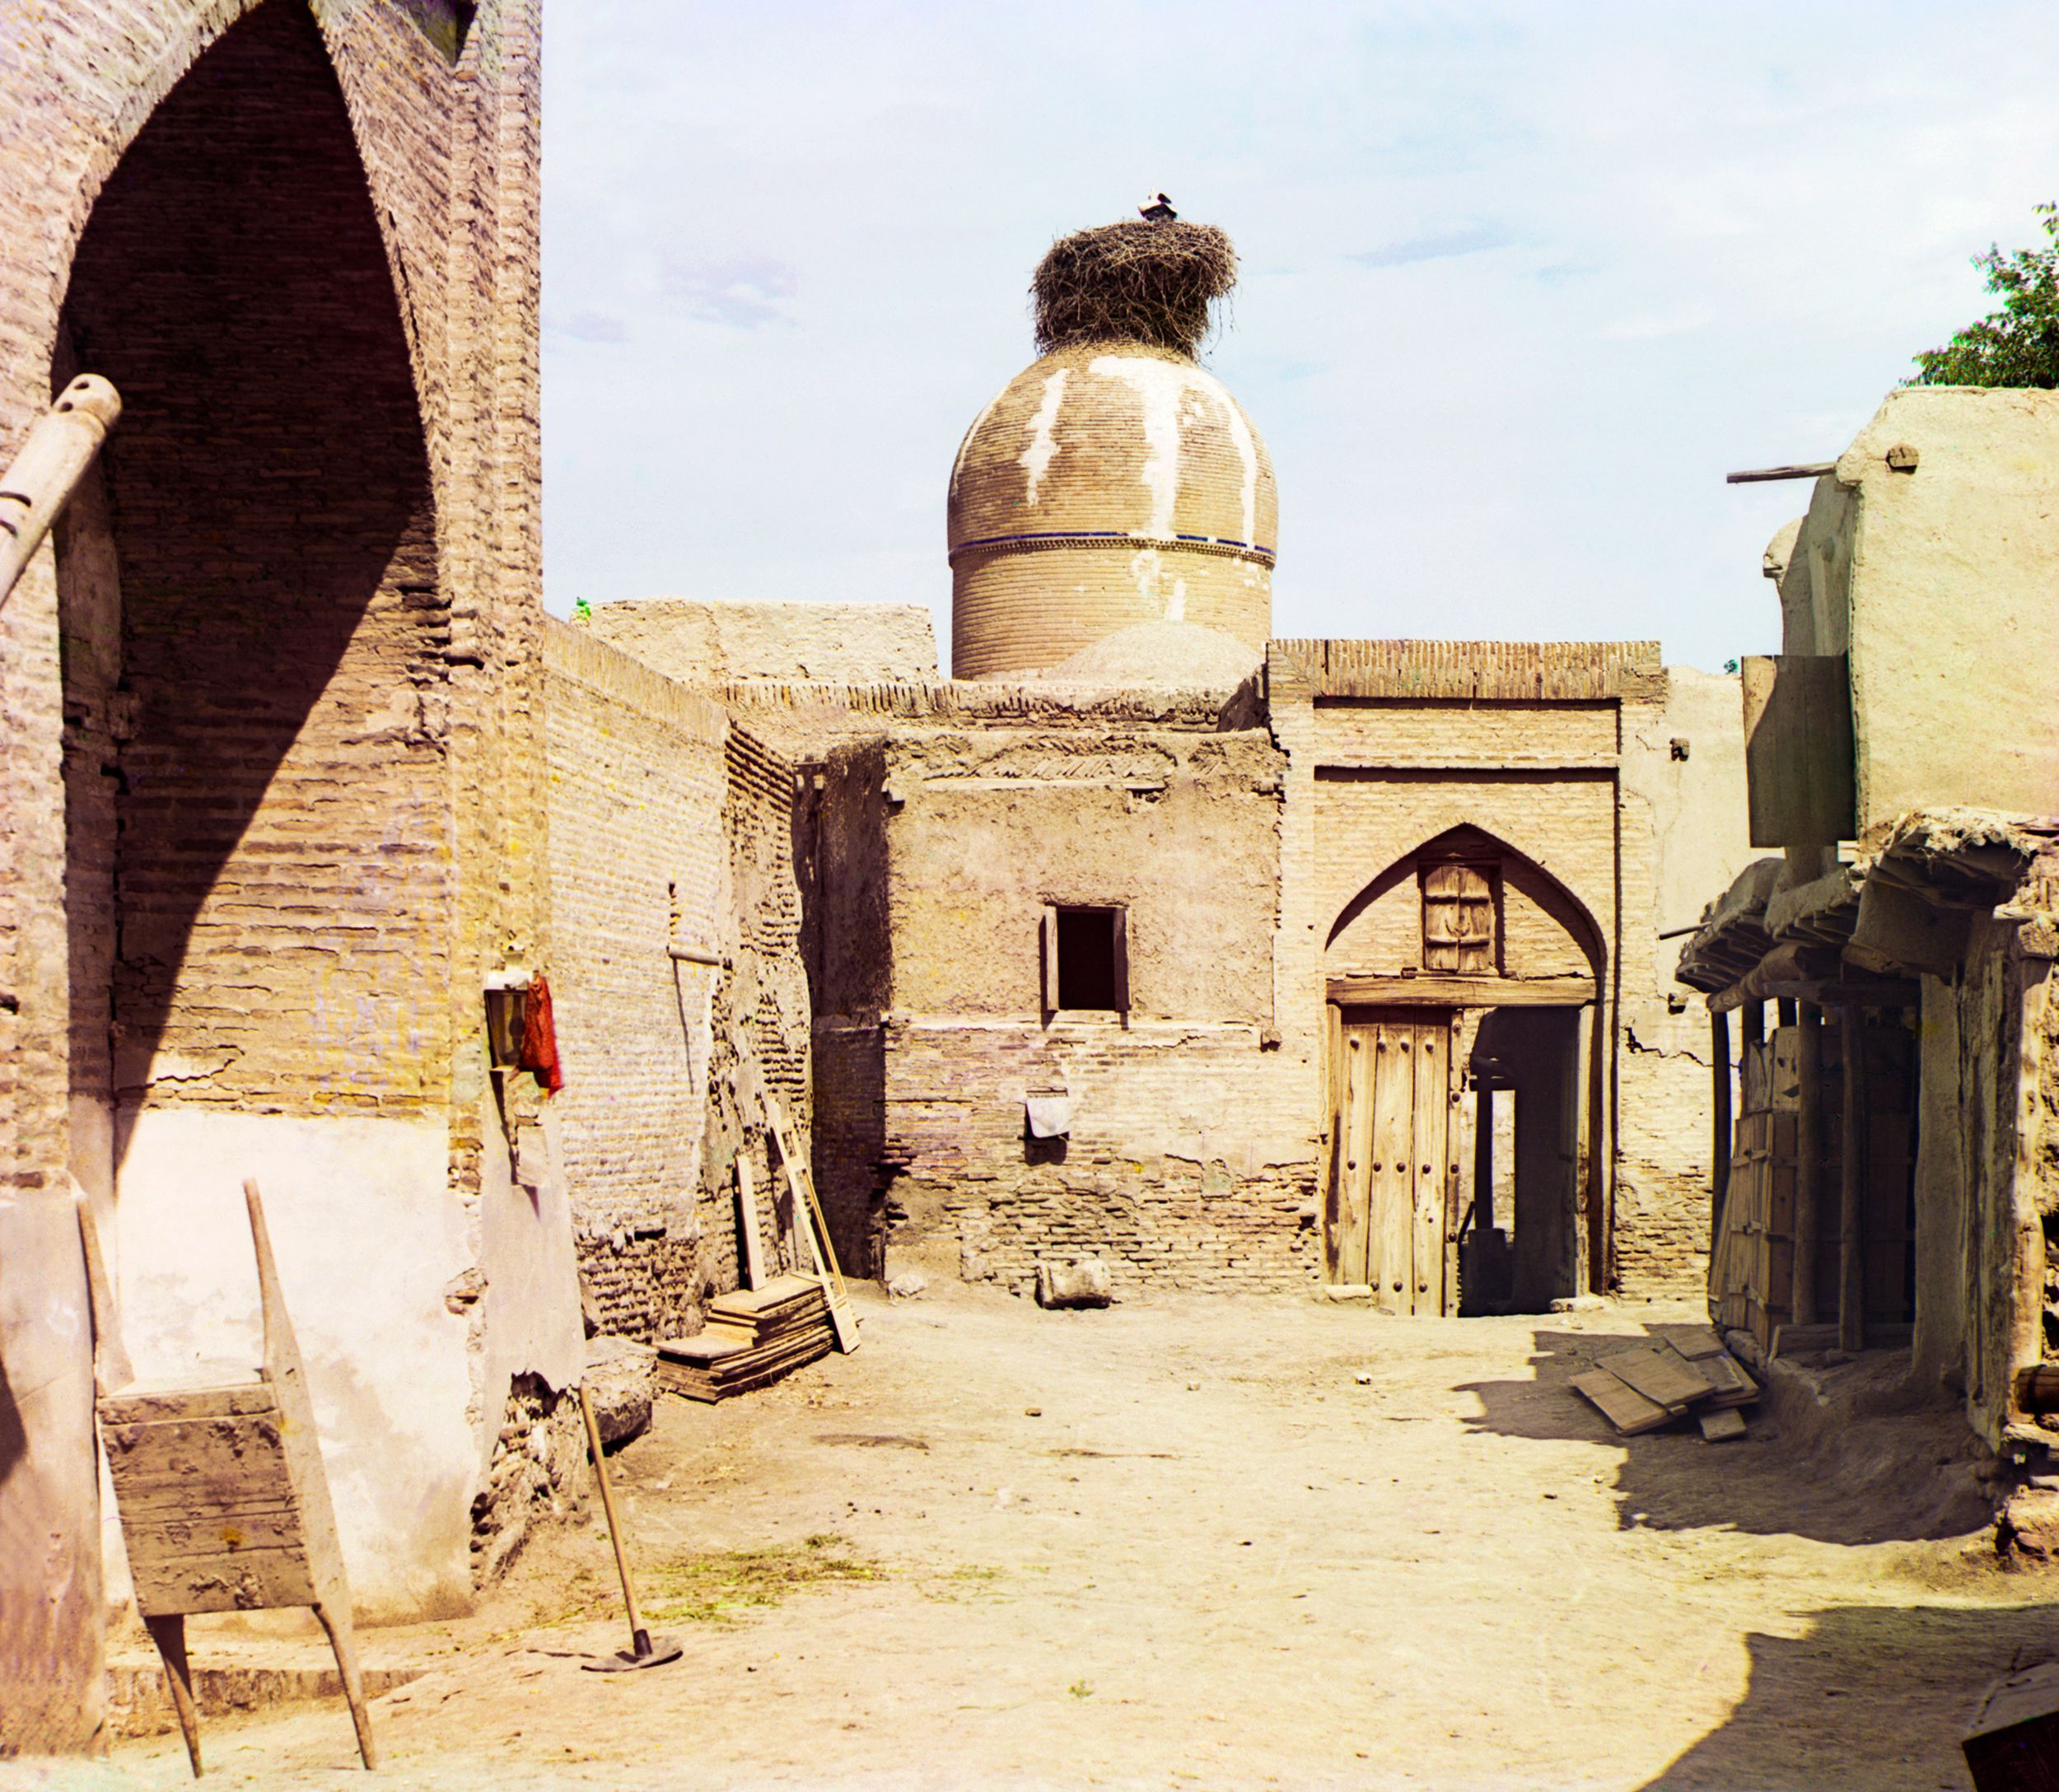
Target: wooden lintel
1437	991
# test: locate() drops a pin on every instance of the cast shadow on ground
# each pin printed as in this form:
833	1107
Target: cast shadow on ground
1897	1471
1867	1696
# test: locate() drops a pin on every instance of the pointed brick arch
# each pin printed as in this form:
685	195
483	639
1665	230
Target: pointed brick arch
260	582
1471	844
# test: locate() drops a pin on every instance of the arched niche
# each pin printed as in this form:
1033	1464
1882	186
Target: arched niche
1540	928
258	819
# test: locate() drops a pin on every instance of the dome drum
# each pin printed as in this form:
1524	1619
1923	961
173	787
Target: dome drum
1110	485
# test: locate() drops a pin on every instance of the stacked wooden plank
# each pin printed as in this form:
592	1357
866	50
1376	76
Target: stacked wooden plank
752	1338
1680	1372
1751	1269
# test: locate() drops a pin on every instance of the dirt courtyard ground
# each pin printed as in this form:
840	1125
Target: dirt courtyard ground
1198	1542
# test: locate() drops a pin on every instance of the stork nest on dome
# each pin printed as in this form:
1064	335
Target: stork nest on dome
1136	281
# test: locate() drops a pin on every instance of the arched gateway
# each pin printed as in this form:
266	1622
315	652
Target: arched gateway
1462	971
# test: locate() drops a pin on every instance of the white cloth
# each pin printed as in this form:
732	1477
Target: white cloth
1050	1115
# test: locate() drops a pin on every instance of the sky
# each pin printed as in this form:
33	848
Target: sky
1520	282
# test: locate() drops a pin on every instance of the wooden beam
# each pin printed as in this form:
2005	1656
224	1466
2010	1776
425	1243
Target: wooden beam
1443	991
1814	470
1852	1242
1719	1058
1856	992
1809	1151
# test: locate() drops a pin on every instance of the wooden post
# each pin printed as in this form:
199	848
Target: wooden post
1851	1244
1809	1152
1752	1018
1484	1157
1719	1060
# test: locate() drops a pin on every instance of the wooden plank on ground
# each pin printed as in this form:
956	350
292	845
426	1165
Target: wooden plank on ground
1692	1341
1727	1423
1622	1405
1724	1373
1659	1374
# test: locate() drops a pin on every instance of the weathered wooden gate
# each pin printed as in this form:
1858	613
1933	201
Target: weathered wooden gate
1390	1183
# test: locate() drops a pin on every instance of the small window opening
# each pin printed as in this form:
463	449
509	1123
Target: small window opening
1086	954
1458	931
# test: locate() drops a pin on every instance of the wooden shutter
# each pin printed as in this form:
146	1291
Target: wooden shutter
1048	957
1457	918
1119	920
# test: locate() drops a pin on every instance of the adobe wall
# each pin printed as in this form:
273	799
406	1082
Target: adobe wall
1190	1163
1987	1168
703	643
1933	578
670	829
1684	833
330	419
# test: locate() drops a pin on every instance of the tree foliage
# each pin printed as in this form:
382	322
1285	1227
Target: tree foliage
2018	344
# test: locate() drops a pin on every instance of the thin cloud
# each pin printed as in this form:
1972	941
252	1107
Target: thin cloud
1446	246
1654	326
747	292
588	327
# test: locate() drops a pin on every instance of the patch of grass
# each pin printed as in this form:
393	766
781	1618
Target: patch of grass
720	1588
1081	1690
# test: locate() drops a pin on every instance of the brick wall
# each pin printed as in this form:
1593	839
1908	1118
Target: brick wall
1191	1163
284	629
297	759
1684	838
669	828
1191	1159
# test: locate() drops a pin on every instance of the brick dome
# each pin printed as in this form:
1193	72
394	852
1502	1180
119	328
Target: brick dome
1110	485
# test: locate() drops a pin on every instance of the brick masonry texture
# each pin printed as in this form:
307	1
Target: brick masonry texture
268	786
299	821
670	827
1190	1165
938	819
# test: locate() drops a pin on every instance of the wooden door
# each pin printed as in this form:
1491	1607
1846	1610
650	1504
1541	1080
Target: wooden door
1387	1216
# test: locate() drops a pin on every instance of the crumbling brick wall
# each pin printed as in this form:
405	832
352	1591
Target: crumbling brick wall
676	977
1191	1159
1190	1163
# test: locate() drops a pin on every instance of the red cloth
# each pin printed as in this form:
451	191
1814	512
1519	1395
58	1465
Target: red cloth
539	1051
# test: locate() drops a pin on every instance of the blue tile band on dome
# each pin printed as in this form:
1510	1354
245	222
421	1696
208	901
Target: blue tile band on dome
1222	547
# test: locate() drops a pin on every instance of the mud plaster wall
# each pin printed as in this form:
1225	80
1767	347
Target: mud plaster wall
449	163
1684	835
670	827
1952	572
700	643
1987	1299
1188	1162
